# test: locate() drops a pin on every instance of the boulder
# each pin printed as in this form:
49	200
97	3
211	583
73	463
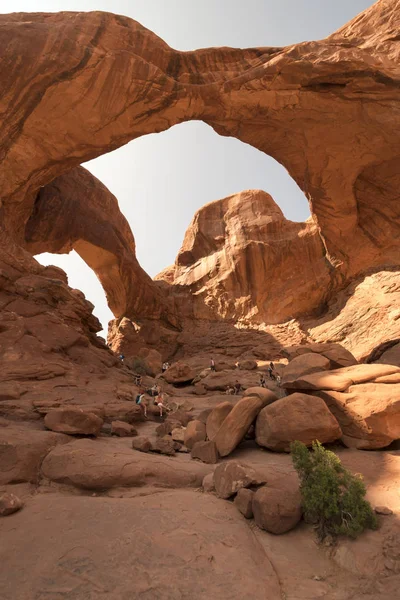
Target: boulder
203	416
208	483
337	354
195	432
383	510
180	416
178	434
368	414
152	359
22	452
391	356
296	417
230	477
237	423
304	364
164	445
341	379
225	364
73	421
122	429
142	444
220	381
9	504
277	510
179	373
244	502
216	417
263	393
247	365
206	452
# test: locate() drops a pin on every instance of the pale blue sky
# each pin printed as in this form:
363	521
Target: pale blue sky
161	180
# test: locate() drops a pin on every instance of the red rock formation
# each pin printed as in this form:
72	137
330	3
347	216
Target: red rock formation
242	260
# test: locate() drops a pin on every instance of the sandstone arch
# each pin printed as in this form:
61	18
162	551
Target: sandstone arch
326	110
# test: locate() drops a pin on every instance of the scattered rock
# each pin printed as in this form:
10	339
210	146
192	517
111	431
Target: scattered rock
206	452
229	477
208	483
178	434
296	417
195	432
73	421
164	445
216	417
238	421
383	510
276	510
167	427
244	502
122	429
142	444
9	504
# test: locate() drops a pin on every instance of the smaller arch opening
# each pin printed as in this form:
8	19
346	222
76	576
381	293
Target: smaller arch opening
81	277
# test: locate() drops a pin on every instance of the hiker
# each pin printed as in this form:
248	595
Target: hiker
137	379
263	383
165	367
238	387
121	357
271	369
159	401
212	365
155	390
278	379
140	401
229	390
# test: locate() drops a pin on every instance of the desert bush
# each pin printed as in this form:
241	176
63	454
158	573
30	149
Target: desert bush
332	497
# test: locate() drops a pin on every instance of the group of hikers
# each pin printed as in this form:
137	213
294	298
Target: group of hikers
158	397
237	387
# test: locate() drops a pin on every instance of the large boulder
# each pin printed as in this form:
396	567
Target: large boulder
337	354
206	452
296	417
263	393
142	444
230	477
195	432
368	413
277	510
304	364
341	379
179	372
248	364
73	421
216	417
237	423
22	451
165	445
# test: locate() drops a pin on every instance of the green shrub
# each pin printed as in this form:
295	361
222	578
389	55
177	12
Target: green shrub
332	498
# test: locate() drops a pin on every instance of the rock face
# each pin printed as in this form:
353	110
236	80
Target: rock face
238	421
303	92
298	417
73	421
87	570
